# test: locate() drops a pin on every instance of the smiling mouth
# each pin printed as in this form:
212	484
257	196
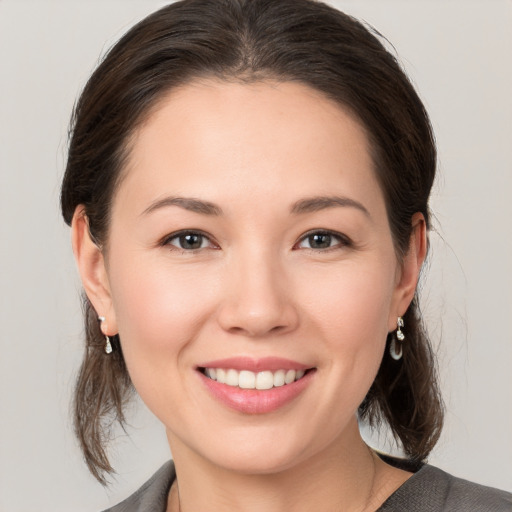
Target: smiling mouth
245	379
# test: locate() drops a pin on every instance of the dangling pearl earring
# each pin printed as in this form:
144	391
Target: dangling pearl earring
108	345
395	348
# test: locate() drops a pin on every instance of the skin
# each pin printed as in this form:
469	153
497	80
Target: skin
257	287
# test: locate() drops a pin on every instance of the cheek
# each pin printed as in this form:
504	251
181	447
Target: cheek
355	299
159	315
350	310
160	310
158	303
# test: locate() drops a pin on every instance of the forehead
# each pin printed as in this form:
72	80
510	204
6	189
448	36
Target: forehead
223	139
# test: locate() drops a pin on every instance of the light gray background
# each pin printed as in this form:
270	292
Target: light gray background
459	55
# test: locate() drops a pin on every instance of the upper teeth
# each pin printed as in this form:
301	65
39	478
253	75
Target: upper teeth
250	380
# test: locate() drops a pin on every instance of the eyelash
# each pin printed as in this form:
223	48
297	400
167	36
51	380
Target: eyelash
188	232
343	241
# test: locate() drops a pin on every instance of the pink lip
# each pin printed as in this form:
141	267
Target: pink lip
252	401
255	365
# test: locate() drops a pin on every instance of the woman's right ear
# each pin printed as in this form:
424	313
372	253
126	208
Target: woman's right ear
91	266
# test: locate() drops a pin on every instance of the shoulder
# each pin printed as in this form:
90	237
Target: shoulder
432	490
152	495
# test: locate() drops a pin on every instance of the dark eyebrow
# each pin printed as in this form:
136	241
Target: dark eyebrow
187	203
314	204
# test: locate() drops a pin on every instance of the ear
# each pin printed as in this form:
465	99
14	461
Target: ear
409	270
92	269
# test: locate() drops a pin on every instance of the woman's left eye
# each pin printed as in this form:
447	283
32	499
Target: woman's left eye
189	241
319	240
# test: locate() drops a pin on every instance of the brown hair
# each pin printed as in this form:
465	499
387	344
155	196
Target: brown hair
249	40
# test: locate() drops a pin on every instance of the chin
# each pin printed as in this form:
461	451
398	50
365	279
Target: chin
266	463
261	453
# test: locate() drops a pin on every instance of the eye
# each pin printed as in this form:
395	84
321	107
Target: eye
318	240
188	240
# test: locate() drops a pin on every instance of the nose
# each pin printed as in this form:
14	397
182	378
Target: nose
258	299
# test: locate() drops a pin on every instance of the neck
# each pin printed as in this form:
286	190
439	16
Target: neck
345	476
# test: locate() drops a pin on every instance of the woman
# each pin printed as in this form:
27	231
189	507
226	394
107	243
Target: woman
247	186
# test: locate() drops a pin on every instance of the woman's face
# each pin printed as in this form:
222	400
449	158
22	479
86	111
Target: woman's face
249	239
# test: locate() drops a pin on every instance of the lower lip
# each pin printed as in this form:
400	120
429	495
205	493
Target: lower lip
253	401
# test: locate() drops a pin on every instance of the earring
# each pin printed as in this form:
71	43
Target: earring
108	345
395	348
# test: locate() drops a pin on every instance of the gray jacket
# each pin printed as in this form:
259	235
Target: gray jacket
428	490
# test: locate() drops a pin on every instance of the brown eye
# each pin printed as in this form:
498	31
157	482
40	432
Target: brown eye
319	240
189	241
